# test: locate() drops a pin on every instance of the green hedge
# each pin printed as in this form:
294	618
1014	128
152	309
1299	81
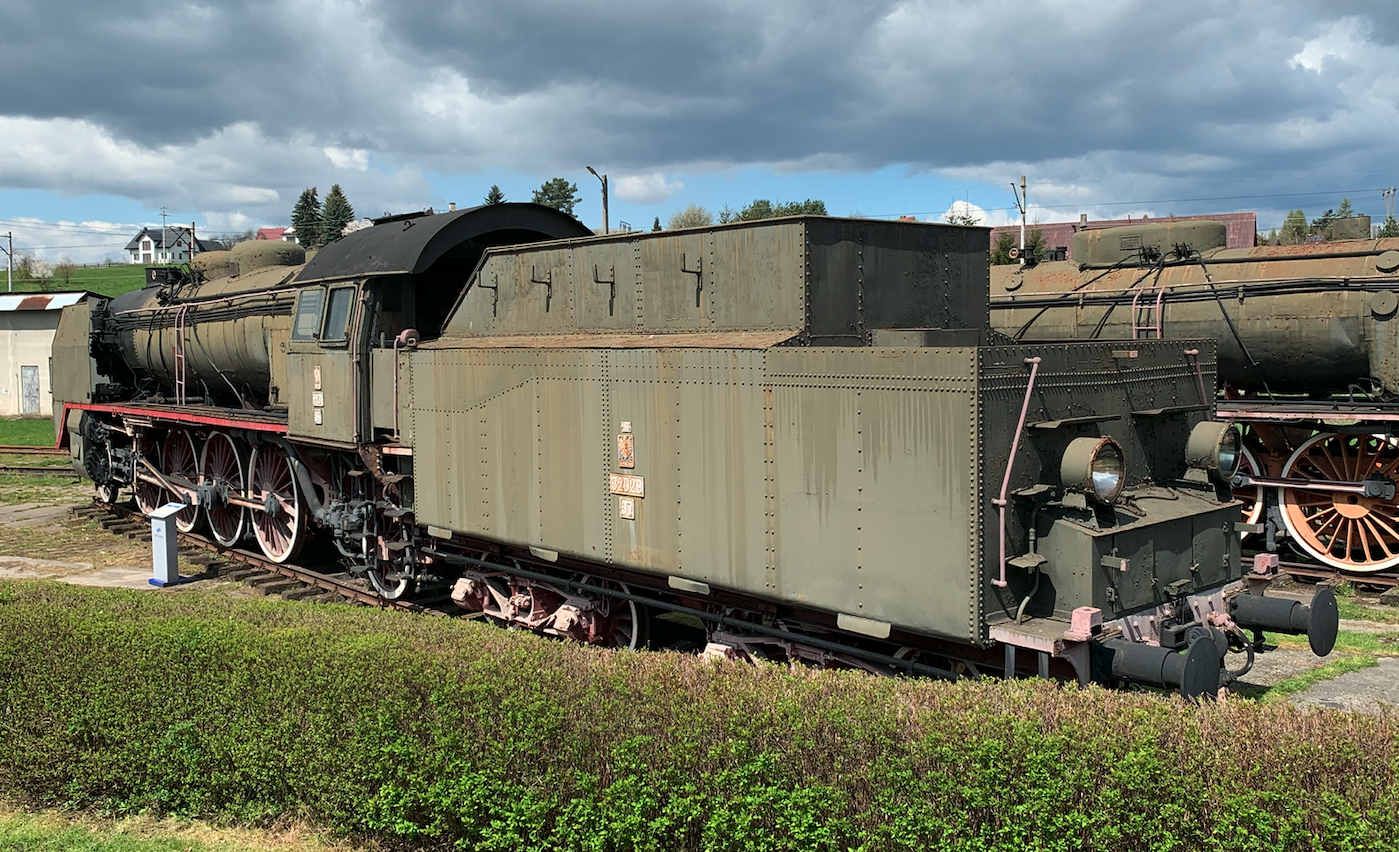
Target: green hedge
444	733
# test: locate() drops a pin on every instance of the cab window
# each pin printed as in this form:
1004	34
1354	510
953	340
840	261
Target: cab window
337	314
307	323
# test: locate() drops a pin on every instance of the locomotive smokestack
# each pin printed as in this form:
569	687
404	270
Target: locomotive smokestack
452	207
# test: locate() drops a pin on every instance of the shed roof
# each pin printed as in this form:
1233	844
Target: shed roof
40	301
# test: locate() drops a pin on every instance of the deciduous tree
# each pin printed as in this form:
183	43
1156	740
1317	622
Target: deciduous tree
1294	229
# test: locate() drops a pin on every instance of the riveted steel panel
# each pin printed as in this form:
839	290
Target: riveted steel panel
644	390
672	276
604	283
724	521
877	484
757	276
333	419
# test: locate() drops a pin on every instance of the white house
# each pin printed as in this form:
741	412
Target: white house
27	325
170	244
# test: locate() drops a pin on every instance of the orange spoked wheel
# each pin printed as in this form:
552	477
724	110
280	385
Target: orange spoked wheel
149	496
1344	529
279	525
182	462
222	466
1252	495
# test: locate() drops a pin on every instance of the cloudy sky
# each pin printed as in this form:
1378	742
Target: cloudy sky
222	112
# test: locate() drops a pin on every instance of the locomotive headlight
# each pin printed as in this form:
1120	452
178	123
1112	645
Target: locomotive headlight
1094	466
1215	447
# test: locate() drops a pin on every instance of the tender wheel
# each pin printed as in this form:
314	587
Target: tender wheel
280	525
387	581
1342	529
221	465
182	461
149	496
630	628
1251	496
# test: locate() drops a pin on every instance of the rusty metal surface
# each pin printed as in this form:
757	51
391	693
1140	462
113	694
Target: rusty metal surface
679	340
412	246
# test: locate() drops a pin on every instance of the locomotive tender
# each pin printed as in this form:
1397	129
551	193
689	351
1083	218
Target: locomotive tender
1308	362
800	433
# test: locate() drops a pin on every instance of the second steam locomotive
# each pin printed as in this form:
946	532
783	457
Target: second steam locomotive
1308	364
801	434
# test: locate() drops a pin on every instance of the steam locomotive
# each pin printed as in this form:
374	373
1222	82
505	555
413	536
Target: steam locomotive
800	434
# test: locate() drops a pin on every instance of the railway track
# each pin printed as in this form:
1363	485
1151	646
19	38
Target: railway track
27	450
253	570
23	470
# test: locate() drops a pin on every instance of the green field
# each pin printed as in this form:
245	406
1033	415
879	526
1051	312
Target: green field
27	431
103	280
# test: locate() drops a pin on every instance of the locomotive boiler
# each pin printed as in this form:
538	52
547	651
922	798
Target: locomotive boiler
1308	363
799	433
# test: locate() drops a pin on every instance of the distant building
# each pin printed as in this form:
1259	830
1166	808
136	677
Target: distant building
1240	229
27	325
170	244
286	235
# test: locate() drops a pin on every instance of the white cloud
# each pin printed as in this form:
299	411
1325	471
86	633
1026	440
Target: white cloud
650	188
347	158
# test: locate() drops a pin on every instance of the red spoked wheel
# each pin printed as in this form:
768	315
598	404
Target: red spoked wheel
182	462
1343	529
221	465
149	496
280	524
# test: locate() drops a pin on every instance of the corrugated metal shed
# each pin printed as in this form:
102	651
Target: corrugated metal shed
40	301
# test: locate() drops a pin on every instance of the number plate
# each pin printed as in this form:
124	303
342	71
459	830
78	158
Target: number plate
626	485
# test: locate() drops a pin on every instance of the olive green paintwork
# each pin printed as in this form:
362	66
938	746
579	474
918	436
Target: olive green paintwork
76	375
855	479
232	328
833	281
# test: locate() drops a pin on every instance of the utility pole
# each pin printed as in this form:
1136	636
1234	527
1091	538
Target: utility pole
602	178
10	261
164	214
1020	202
1388	203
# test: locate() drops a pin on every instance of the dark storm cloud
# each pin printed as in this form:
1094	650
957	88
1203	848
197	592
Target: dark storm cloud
1170	90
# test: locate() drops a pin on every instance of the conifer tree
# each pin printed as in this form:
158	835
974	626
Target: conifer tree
306	218
557	193
335	215
495	196
656	225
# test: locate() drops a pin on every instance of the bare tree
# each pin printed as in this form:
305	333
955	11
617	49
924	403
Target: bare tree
693	216
63	272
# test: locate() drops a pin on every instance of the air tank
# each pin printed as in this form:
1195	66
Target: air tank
1315	319
183	336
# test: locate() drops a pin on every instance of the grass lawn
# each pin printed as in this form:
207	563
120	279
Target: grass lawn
27	431
50	832
103	280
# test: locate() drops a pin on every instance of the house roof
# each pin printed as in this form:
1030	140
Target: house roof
40	301
271	233
169	237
